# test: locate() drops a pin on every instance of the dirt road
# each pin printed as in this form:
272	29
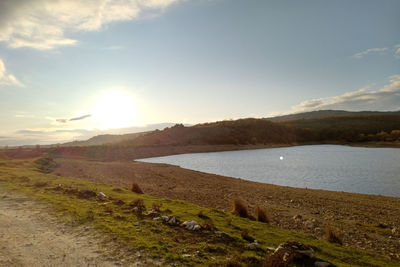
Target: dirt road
29	236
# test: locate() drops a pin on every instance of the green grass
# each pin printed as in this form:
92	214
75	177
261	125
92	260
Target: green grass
162	241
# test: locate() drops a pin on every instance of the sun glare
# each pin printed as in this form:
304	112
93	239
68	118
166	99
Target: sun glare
114	110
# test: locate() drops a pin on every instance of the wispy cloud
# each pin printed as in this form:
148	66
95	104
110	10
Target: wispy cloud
385	99
7	78
74	119
47	24
368	51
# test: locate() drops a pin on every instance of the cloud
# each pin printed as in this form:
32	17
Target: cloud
385	99
397	50
47	24
370	50
74	119
7	78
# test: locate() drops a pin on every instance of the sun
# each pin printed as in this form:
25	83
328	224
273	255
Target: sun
114	109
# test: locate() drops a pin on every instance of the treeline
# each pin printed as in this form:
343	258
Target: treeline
350	128
238	132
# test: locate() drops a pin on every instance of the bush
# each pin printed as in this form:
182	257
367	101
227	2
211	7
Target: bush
332	237
240	208
157	206
262	215
208	225
136	188
245	235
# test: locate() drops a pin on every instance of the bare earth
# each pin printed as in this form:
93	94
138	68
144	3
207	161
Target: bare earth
29	236
363	221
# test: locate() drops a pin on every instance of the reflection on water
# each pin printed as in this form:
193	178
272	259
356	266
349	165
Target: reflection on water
331	167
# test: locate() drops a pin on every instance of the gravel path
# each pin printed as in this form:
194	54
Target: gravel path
29	236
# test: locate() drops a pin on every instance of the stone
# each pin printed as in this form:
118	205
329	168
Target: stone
102	195
321	264
171	220
191	225
253	246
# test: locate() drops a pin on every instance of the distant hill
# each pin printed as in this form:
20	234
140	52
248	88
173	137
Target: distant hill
328	113
103	139
110	138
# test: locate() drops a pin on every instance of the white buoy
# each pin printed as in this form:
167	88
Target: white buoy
281	158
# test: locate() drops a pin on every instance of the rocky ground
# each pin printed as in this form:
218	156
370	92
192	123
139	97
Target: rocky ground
364	222
29	236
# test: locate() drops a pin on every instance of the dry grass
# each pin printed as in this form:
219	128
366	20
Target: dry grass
240	208
136	188
262	215
332	237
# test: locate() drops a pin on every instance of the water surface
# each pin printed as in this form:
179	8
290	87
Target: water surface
331	167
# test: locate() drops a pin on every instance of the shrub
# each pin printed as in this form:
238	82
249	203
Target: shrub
240	208
262	215
332	237
202	215
156	206
136	188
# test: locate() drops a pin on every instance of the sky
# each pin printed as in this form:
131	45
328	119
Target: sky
71	69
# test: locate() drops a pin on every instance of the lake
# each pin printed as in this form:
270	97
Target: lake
331	167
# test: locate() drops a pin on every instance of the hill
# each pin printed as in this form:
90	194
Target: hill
328	113
237	132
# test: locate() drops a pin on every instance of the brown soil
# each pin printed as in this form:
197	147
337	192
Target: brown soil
29	236
362	221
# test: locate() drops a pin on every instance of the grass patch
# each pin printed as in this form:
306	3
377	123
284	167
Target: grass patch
223	242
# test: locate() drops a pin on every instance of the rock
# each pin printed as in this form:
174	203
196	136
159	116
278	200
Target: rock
156	218
395	231
152	213
191	225
321	264
171	220
102	195
288	253
253	246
